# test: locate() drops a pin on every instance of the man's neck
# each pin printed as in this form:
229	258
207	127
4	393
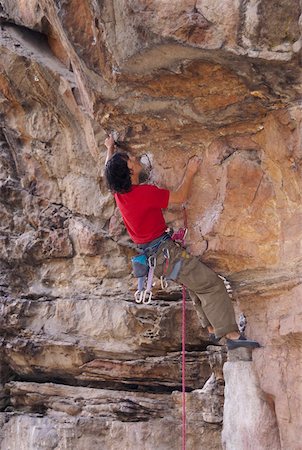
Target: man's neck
134	179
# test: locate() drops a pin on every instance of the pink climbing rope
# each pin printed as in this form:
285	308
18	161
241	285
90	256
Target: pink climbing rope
184	346
183	368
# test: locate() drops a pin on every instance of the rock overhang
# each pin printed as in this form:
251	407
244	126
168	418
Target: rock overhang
220	79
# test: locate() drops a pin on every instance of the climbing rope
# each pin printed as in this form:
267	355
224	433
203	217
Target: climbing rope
183	368
184	294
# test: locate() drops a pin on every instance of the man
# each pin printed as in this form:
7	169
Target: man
141	207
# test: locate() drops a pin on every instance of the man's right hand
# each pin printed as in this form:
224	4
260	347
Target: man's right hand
181	194
109	142
193	165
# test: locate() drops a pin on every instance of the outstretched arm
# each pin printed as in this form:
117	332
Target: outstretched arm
110	145
182	192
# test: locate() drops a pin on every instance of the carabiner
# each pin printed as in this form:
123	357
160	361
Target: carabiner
139	296
166	253
146	302
152	261
163	282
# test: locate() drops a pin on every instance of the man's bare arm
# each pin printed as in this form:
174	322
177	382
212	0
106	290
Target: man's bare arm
182	192
110	145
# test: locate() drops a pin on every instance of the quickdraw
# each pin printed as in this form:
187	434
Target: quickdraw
145	296
163	280
178	236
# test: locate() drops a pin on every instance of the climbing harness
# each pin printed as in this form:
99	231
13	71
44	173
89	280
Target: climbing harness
143	265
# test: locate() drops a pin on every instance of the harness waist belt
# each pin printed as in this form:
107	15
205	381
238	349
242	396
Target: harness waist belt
152	246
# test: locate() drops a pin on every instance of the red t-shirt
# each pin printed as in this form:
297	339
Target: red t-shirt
141	209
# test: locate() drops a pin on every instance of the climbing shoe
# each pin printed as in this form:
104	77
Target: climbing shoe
241	342
214	339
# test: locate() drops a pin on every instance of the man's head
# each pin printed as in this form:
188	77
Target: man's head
121	172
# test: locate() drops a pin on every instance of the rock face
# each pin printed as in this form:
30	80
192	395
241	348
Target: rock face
82	366
81	418
249	418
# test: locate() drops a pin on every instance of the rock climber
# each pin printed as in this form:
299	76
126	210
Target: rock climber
141	207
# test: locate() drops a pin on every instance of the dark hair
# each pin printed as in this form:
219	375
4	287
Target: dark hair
118	174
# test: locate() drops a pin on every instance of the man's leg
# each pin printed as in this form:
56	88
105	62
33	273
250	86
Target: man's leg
198	306
215	303
209	288
203	318
211	292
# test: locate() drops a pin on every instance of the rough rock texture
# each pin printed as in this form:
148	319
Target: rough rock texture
247	427
82	366
79	418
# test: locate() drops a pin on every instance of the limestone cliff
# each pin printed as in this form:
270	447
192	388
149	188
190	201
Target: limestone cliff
83	366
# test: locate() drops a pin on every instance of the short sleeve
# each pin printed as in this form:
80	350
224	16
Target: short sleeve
156	197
